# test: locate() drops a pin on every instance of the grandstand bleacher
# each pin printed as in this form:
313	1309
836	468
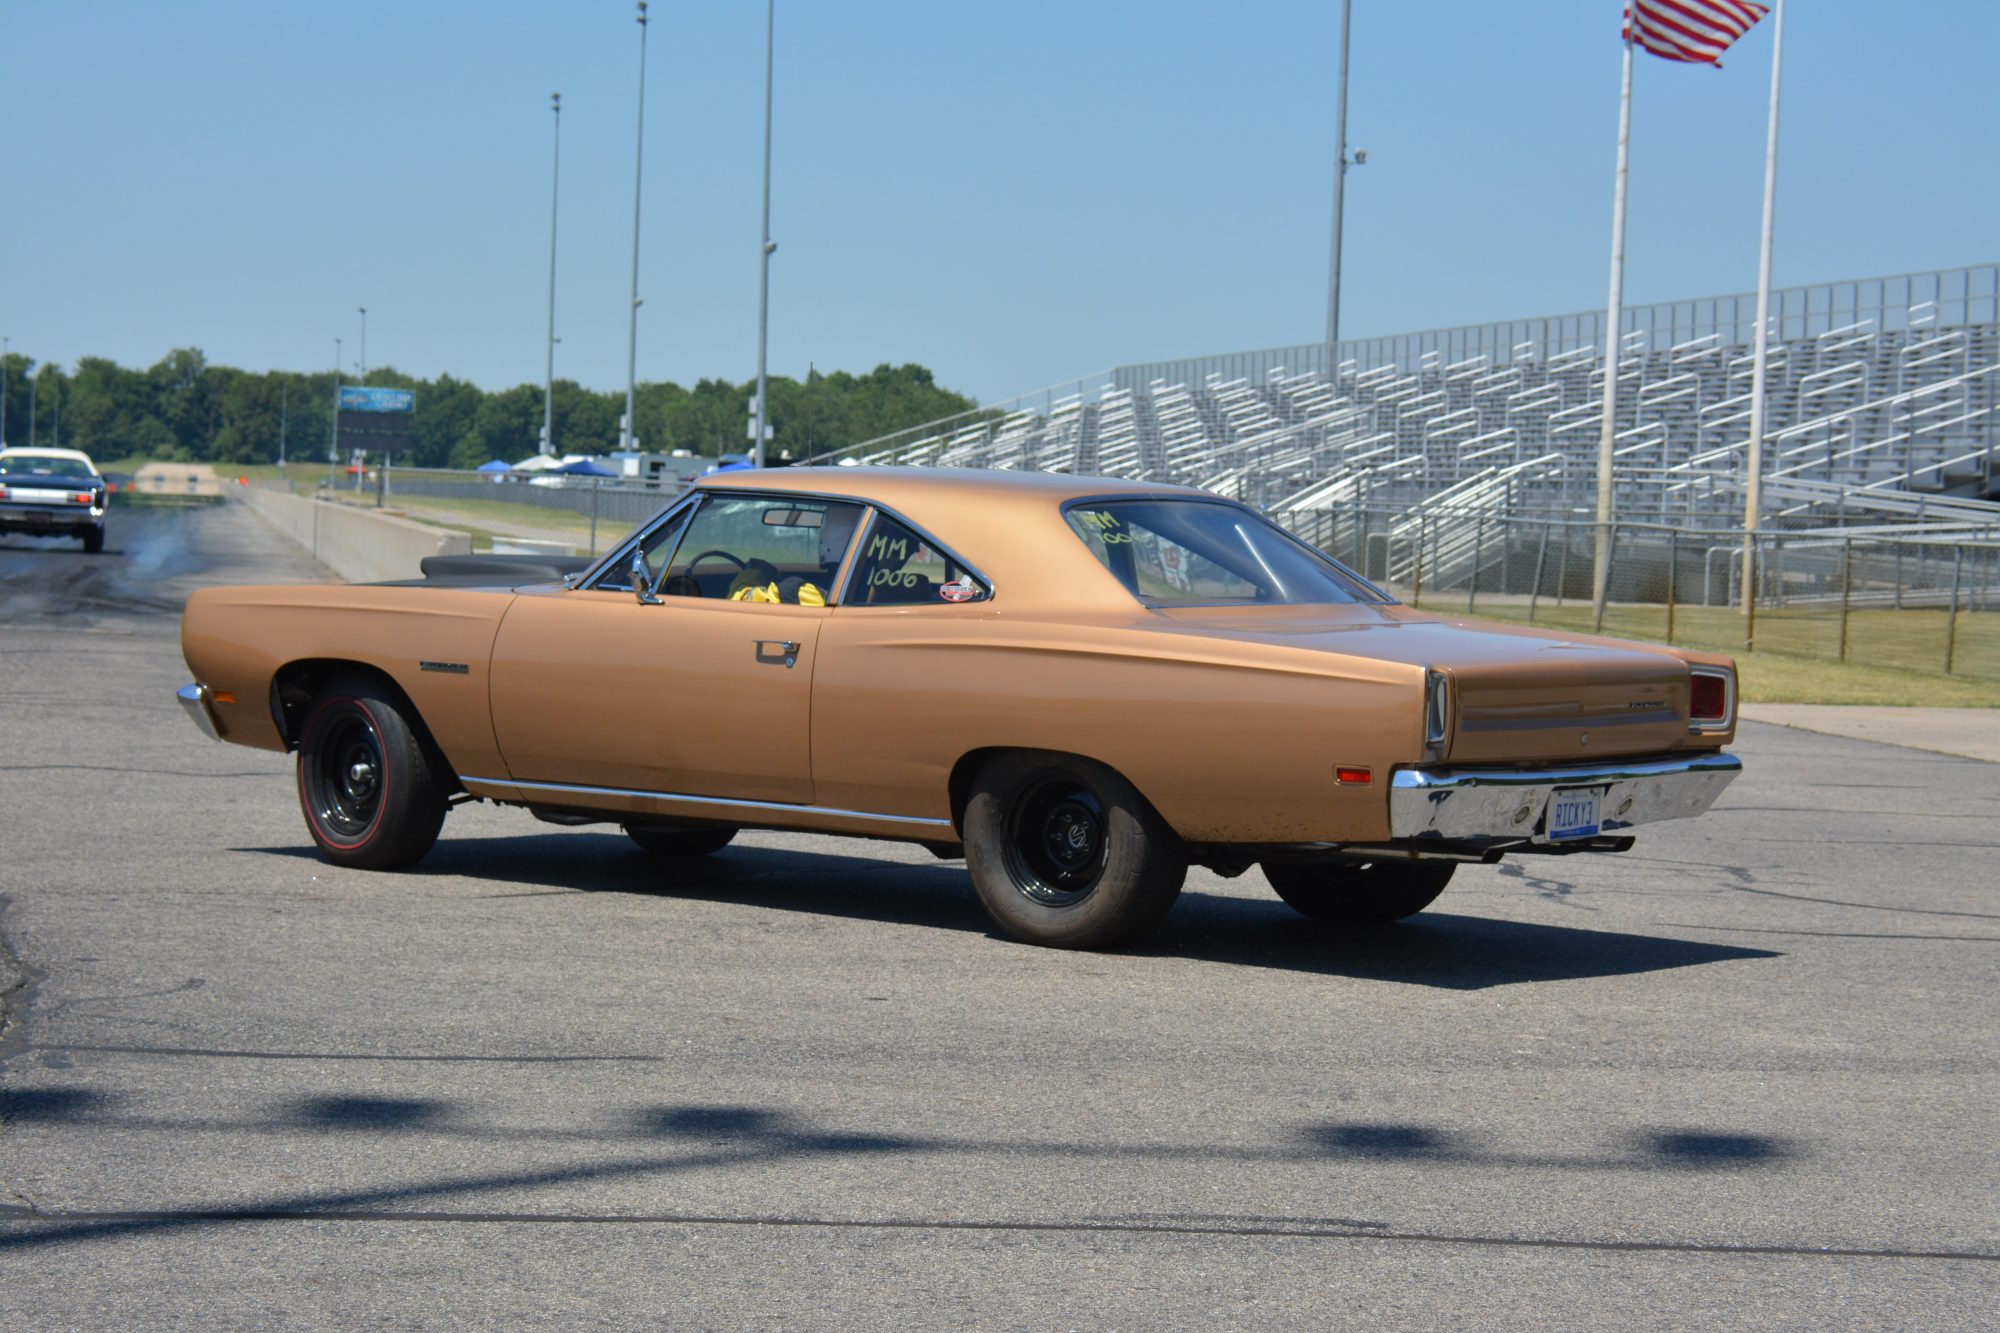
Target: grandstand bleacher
1877	385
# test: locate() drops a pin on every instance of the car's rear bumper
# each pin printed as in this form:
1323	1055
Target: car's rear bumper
1476	804
194	698
48	518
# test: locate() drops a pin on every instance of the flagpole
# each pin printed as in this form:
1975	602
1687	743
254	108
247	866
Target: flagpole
1753	490
1601	571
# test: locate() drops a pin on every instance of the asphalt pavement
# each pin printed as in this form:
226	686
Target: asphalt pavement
1742	1076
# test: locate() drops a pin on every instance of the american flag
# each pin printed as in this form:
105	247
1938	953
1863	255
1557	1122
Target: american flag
1695	31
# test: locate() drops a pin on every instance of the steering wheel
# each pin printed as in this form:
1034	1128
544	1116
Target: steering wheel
735	560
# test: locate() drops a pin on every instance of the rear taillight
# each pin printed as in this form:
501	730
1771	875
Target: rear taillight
3	492
1710	695
81	497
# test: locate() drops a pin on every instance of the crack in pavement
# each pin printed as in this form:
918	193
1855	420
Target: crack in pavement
88	1224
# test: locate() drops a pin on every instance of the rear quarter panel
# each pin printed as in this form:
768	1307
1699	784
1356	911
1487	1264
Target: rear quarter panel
1230	742
236	639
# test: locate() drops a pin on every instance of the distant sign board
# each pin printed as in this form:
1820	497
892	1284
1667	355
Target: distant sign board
360	398
381	420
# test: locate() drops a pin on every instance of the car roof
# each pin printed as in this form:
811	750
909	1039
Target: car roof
40	451
1008	525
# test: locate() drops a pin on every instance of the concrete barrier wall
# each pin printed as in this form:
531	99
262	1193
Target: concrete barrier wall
360	545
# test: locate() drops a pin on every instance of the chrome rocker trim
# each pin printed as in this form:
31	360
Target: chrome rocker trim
713	807
1454	804
194	698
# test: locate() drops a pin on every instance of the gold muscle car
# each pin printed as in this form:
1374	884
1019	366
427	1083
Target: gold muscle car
1080	685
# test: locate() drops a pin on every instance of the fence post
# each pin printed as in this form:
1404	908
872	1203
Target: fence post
1610	559
1750	572
596	489
1478	556
1951	622
1417	577
1673	569
1541	560
1846	589
1562	564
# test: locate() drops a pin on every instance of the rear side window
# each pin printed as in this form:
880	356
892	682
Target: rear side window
901	567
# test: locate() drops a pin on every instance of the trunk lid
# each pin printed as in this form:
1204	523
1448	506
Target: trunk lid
1518	694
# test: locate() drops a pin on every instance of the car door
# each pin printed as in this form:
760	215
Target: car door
700	682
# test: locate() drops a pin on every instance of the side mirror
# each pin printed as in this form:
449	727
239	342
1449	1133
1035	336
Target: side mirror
642	581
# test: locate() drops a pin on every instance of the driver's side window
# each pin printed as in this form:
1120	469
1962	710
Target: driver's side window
770	548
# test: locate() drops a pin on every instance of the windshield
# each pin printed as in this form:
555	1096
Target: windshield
43	465
1201	553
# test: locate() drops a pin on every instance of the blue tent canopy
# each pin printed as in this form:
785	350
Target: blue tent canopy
585	467
495	466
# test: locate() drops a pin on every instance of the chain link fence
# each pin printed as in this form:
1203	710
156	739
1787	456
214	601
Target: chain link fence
566	515
1908	601
1924	599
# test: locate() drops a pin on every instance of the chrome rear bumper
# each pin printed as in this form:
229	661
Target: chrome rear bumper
1470	804
194	698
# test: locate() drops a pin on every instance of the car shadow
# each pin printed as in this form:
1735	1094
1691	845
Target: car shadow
1441	949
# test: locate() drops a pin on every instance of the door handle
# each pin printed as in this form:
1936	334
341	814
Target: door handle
777	652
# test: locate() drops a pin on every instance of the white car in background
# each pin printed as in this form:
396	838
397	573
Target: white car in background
52	493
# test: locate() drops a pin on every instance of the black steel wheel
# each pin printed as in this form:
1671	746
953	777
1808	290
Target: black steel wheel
1056	844
371	794
677	842
1065	852
1369	893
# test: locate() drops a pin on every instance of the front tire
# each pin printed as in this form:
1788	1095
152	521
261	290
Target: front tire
1373	893
372	797
1066	853
680	842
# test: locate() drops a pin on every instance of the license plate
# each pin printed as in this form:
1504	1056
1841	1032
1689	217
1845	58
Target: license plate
1573	814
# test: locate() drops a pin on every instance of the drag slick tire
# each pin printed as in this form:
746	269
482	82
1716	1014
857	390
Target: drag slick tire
1372	893
369	788
93	541
679	842
1066	853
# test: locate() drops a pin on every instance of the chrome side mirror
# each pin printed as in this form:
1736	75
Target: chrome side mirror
642	581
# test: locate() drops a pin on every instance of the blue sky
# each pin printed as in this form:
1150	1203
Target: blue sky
1013	194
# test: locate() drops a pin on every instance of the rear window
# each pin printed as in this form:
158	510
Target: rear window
44	465
1199	553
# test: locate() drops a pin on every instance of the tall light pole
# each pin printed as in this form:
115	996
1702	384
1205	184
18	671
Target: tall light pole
364	342
3	391
760	427
625	427
1339	181
333	437
284	420
549	378
34	381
